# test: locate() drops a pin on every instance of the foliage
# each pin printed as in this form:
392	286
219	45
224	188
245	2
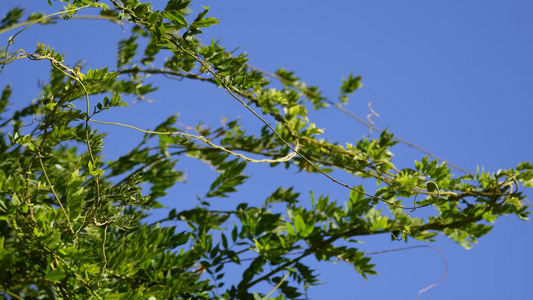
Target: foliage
73	226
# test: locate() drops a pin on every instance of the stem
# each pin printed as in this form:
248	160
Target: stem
54	192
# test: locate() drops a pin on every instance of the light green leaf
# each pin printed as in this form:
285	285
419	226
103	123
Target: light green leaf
55	275
299	224
290	229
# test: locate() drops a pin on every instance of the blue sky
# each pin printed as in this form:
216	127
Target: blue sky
453	77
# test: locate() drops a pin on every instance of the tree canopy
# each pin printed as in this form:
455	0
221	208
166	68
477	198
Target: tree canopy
75	225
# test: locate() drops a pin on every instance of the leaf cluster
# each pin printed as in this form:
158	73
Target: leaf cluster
74	225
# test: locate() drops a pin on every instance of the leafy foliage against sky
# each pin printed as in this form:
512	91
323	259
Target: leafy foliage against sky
73	225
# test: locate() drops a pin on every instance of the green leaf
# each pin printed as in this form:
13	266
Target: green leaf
290	229
224	241
524	216
176	18
55	275
230	177
198	23
234	233
526	178
299	224
206	22
4	99
358	205
15	200
177	5
283	195
95	171
127	50
349	85
155	204
2	180
12	17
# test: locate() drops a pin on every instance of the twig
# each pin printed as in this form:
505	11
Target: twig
277	286
54	192
203	139
420	246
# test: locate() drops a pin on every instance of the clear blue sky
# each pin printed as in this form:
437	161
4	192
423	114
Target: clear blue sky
453	77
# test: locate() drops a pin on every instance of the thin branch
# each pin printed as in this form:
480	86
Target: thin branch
279	268
420	246
12	294
103	248
54	18
32	22
54	192
277	286
203	139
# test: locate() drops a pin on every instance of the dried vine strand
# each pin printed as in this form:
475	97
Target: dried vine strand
54	192
77	77
78	277
415	207
12	38
277	286
419	246
54	17
11	294
203	139
373	114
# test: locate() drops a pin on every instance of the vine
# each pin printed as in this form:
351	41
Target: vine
84	235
